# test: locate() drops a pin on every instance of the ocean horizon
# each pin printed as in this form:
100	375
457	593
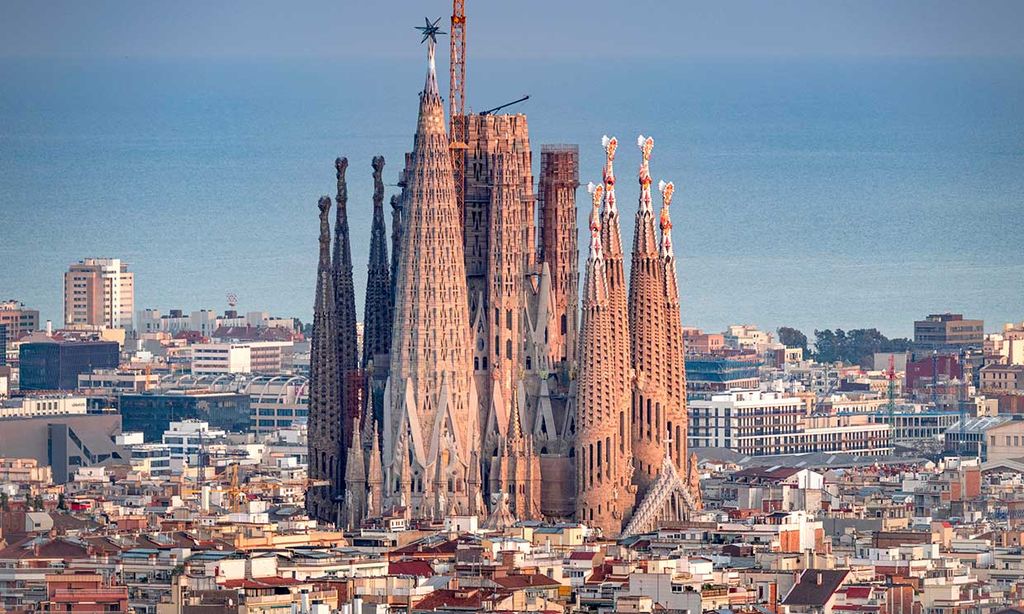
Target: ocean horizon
831	193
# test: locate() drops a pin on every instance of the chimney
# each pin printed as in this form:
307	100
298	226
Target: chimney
304	594
818	579
49	328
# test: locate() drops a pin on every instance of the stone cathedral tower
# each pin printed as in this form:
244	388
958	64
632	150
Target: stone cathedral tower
430	409
654	410
604	492
377	309
325	420
345	305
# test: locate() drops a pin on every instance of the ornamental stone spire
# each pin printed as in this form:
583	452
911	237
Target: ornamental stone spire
355	483
324	421
377	308
345	304
604	493
611	244
652	408
344	289
675	382
430	405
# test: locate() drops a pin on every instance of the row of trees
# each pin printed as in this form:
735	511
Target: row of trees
32	503
856	346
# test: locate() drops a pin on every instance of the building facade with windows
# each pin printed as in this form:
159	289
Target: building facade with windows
761	423
56	365
99	292
277	402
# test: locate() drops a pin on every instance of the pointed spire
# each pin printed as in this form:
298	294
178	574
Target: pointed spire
594	284
396	241
374	474
377	307
646	145
324	382
344	289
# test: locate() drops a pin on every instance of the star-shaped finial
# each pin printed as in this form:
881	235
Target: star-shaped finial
430	30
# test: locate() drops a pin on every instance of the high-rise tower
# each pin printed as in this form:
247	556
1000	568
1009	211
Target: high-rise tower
324	422
651	405
430	413
604	493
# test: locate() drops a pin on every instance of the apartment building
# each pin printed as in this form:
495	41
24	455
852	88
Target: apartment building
761	423
99	292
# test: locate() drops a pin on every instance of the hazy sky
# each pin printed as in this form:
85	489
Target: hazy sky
508	28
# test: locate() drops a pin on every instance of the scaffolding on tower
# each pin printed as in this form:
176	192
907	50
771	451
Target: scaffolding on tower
457	103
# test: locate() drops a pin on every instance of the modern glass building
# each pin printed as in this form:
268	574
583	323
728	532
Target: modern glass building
56	365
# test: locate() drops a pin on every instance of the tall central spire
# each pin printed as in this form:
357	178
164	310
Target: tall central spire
430	407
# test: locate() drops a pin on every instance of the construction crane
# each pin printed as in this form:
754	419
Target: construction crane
507	104
457	103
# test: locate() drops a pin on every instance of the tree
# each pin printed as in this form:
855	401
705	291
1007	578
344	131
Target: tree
792	338
857	346
61	503
37	503
4	501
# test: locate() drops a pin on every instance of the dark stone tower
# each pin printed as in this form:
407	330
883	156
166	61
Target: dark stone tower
324	435
377	312
344	290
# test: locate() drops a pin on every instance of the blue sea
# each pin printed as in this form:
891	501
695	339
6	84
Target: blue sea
814	194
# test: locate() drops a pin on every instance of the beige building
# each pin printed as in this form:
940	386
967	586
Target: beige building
18	319
943	331
1002	378
99	292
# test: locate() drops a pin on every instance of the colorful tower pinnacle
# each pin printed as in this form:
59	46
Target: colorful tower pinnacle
604	494
430	413
651	403
611	244
324	435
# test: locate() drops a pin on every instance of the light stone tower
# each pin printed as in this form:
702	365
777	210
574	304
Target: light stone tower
604	492
654	411
430	409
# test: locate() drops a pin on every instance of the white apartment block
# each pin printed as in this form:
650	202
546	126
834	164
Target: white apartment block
248	357
759	423
187	438
99	292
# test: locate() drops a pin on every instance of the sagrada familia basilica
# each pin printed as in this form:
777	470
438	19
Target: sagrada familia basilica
489	383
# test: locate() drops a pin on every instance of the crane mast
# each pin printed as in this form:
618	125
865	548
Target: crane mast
457	103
